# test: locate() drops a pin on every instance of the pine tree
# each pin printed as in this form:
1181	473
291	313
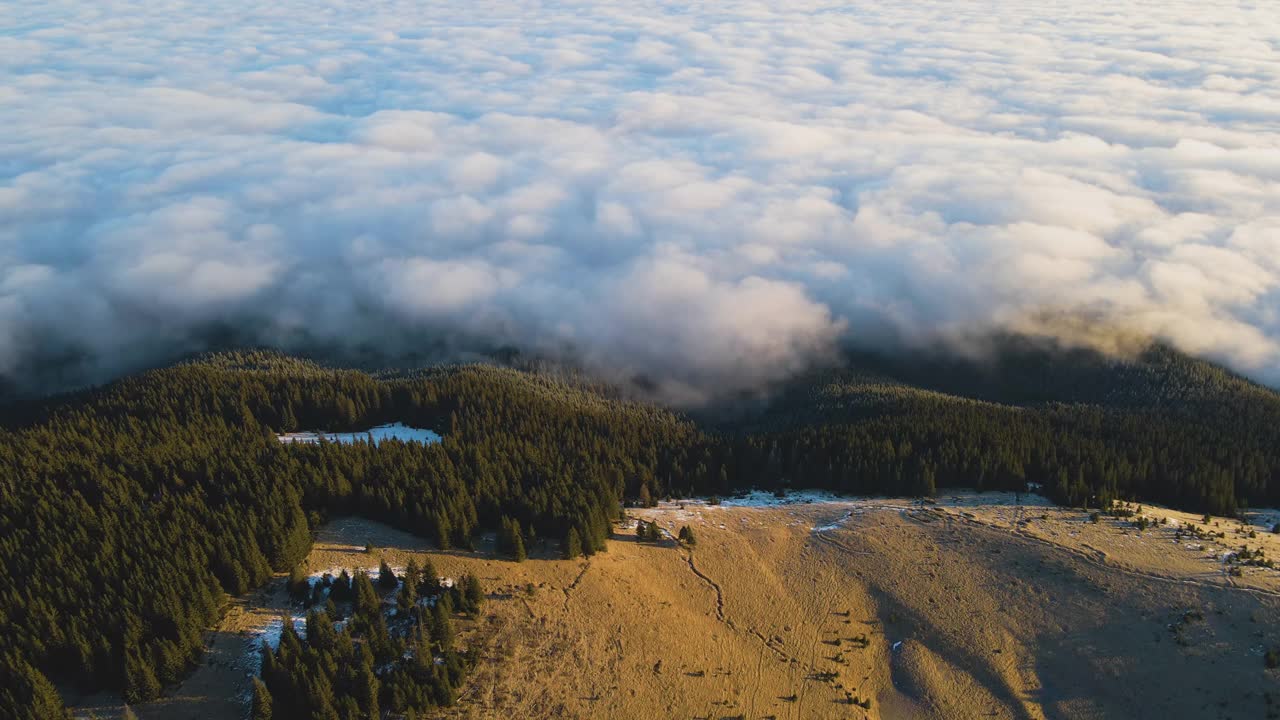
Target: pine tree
268	661
367	602
444	532
442	626
511	539
517	541
430	584
686	536
387	579
472	593
407	598
366	684
299	584
341	589
572	544
140	680
261	709
26	692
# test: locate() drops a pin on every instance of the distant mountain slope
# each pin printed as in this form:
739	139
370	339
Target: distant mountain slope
1013	373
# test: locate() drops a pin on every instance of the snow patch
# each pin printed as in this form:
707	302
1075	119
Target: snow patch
835	525
392	431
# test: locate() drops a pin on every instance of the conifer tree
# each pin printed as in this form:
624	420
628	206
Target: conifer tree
430	584
341	588
299	584
367	602
407	598
511	539
268	662
387	579
472	594
262	704
366	684
26	692
572	544
140	680
442	626
686	536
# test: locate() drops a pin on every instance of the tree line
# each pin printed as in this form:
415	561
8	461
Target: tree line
129	512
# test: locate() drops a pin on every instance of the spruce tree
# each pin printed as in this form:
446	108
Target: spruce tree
299	584
407	598
572	544
387	579
511	539
366	684
262	704
341	589
686	536
26	692
472	593
442	626
430	584
140	683
367	601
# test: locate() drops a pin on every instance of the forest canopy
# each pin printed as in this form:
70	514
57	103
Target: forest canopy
128	512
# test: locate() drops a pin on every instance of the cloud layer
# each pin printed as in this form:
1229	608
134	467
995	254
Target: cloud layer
705	193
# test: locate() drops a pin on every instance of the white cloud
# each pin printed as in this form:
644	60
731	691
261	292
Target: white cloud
703	193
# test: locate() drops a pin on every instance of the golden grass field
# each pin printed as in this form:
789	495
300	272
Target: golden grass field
976	606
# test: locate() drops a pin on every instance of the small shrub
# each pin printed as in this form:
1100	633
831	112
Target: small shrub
1272	659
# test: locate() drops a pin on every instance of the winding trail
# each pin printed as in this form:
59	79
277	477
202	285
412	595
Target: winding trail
1097	558
809	668
688	558
586	565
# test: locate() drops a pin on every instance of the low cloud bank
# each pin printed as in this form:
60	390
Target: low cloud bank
711	195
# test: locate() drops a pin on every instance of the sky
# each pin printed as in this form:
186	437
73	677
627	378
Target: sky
714	195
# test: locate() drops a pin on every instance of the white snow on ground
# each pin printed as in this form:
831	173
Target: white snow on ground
1263	518
835	525
271	633
335	571
392	431
272	630
693	510
373	572
764	499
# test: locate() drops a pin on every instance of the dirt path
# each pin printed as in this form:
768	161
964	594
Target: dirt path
965	611
568	590
688	556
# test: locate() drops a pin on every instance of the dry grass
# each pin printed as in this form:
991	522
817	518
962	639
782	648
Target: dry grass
970	608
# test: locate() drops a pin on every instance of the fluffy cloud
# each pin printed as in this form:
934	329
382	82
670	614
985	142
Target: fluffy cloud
711	195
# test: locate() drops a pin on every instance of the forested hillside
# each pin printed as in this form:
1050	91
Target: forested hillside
127	512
